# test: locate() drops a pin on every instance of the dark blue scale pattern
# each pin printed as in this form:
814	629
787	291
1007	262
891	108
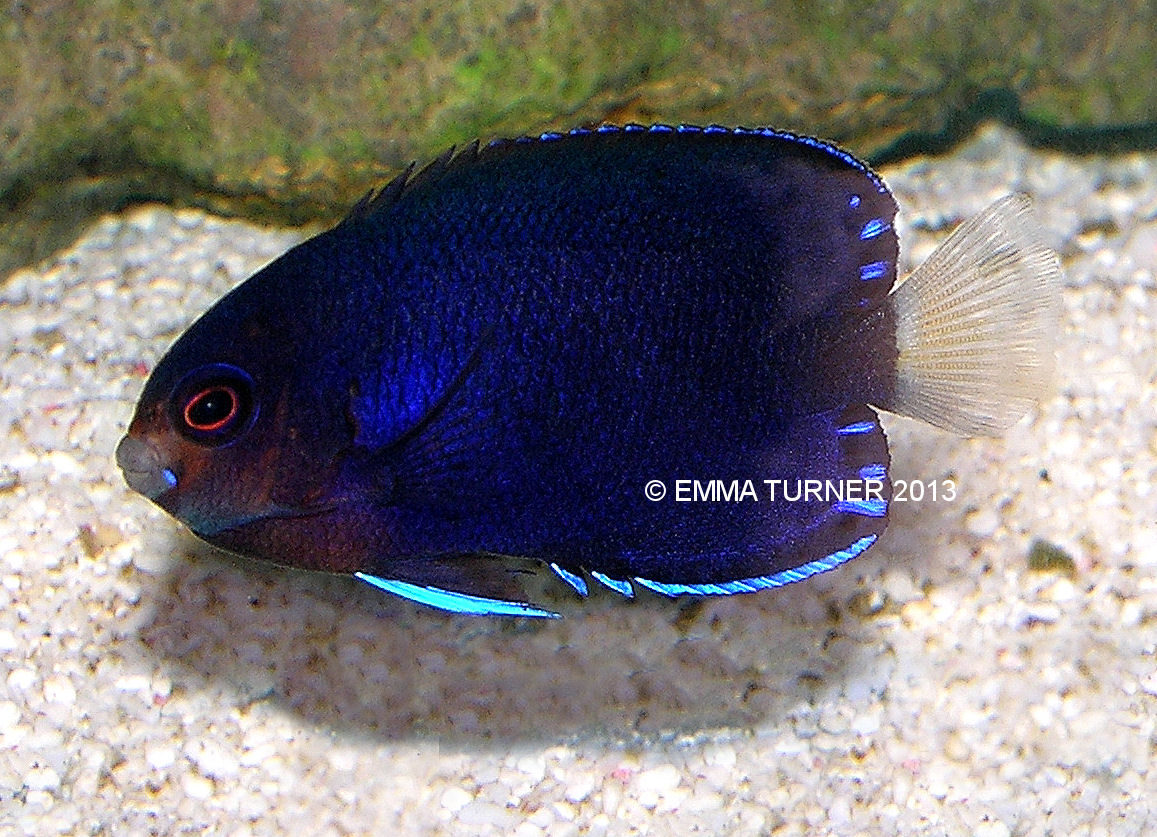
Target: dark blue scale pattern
492	341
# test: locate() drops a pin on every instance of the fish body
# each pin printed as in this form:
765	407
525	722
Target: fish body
502	355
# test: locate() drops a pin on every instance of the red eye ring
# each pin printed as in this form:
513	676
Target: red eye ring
214	405
203	411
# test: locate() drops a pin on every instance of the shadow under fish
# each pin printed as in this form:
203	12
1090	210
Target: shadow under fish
602	352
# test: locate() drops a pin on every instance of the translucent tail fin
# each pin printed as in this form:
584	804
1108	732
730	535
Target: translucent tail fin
976	324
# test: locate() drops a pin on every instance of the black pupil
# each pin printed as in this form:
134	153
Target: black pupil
211	407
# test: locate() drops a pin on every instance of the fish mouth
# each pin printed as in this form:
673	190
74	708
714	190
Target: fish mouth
143	469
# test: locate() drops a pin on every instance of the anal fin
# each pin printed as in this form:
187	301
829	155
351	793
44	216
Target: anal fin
771	543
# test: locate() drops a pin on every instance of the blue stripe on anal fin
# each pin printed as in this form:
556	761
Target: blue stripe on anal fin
763	582
860	507
870	507
873	228
822	565
453	602
577	582
849	452
857	428
873	270
707	589
827	503
623	588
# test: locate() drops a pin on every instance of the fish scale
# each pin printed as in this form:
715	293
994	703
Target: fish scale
489	360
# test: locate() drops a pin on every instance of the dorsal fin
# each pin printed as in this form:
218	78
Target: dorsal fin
380	201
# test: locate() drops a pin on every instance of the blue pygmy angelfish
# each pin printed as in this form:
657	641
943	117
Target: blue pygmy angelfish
518	353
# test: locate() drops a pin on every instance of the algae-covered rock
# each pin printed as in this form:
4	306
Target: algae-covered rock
290	109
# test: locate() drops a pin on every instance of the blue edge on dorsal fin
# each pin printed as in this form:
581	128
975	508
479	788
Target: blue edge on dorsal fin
661	128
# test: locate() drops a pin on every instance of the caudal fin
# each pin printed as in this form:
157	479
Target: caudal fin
976	324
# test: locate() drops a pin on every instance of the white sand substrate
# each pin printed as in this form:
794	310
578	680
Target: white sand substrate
937	685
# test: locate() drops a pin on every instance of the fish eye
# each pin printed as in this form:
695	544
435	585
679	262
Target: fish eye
213	405
212	408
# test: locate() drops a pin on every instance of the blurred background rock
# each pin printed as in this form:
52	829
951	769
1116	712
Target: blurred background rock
287	111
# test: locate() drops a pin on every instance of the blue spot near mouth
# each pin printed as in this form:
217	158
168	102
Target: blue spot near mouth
854	201
169	477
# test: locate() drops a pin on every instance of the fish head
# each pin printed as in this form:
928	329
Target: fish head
191	447
236	426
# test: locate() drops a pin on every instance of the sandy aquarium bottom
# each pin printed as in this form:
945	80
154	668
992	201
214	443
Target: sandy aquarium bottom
989	668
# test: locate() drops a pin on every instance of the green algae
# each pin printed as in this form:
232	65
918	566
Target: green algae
288	110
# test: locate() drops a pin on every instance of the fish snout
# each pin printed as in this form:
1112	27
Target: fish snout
143	469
